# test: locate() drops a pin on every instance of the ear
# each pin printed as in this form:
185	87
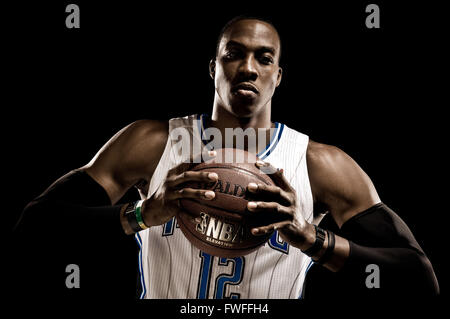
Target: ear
279	76
212	68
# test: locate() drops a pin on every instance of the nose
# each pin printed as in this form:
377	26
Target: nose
247	68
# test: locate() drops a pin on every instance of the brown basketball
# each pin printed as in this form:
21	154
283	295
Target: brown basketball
221	227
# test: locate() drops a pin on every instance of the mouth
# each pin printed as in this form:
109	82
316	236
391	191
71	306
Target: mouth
245	89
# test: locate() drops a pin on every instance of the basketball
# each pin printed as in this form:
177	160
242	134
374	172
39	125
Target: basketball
221	227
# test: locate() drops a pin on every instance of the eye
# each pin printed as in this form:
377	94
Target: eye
232	54
266	59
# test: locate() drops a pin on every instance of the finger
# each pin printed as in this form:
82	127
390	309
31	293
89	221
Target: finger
265	192
274	173
271	210
191	176
191	193
280	179
263	230
180	168
265	167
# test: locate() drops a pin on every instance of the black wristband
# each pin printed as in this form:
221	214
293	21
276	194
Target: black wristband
318	243
329	251
130	214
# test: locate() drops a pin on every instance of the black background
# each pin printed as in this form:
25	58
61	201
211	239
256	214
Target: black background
378	94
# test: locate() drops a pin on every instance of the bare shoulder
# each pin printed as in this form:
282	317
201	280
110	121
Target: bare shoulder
150	133
142	138
147	140
142	128
144	144
338	181
323	154
327	166
328	160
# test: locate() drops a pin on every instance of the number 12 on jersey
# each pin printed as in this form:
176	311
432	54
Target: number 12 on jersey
222	280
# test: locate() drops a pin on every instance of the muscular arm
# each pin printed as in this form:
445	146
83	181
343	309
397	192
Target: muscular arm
370	233
77	219
81	199
129	158
88	193
338	182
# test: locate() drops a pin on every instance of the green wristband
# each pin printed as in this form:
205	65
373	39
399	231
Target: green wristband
138	213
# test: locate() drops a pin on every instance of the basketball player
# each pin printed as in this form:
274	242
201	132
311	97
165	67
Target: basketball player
312	179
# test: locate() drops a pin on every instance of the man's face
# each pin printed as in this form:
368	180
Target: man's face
246	70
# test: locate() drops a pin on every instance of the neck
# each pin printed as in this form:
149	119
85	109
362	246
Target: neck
223	119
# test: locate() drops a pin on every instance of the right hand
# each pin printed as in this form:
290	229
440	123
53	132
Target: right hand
164	204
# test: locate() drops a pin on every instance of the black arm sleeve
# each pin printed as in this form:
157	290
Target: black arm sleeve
382	245
73	222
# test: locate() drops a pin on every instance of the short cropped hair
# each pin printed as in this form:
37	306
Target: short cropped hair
231	22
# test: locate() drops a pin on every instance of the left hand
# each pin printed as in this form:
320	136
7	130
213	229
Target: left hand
279	203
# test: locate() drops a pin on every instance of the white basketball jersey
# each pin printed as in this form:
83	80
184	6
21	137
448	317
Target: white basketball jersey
171	267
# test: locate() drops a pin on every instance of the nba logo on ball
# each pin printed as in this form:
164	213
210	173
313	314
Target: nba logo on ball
219	231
